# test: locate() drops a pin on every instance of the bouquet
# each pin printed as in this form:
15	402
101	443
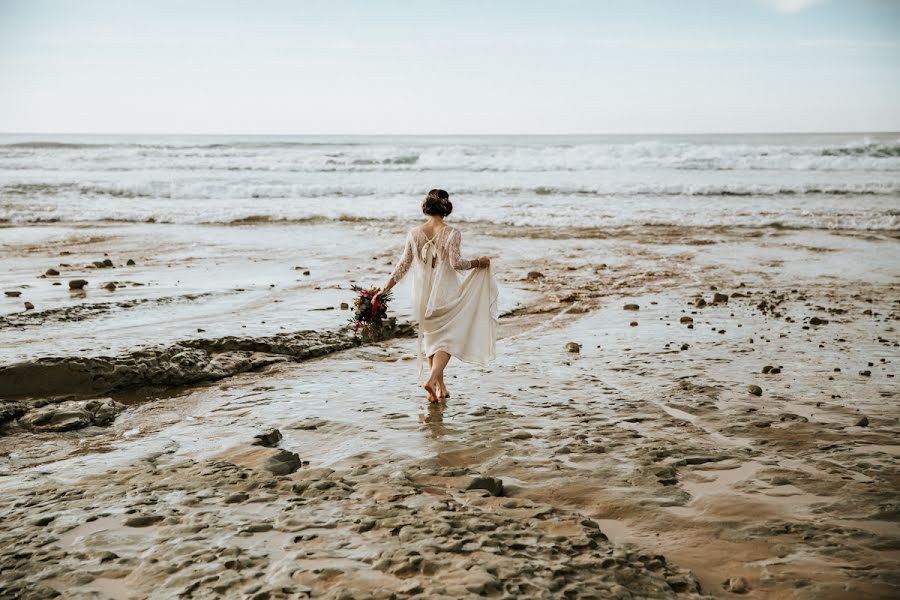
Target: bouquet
369	312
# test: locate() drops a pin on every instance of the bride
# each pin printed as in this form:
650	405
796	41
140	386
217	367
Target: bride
456	318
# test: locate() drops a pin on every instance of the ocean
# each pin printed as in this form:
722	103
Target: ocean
831	181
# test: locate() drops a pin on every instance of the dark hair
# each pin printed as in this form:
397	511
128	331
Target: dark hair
437	203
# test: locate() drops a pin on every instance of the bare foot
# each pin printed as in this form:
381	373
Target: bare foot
431	395
443	394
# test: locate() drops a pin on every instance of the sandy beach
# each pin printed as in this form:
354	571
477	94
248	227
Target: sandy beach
674	412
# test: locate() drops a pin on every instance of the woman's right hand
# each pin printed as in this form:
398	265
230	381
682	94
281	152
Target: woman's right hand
484	262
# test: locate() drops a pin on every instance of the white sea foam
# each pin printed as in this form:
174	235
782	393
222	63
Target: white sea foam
844	181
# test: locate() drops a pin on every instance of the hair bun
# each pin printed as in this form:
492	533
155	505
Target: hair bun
437	203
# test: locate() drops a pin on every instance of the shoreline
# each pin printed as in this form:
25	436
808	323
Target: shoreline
659	445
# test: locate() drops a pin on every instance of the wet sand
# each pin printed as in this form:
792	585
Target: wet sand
634	424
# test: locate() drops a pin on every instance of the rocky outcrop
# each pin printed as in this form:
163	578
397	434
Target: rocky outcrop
65	416
186	362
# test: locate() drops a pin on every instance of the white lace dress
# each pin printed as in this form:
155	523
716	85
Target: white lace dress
458	316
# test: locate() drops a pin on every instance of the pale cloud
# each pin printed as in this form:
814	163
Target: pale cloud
792	6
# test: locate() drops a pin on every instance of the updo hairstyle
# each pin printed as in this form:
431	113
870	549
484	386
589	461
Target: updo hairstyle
437	203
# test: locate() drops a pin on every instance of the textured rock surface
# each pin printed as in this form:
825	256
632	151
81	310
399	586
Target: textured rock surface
183	529
191	361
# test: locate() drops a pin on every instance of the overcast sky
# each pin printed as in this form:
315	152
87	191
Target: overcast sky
449	66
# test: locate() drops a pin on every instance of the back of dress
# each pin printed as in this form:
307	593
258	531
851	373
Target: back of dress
457	317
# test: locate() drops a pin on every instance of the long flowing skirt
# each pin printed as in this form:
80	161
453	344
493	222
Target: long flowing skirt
466	326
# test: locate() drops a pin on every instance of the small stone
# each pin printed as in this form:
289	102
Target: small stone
685	346
573	347
130	262
755	390
736	585
533	275
634	323
774	371
29	306
236	498
110	286
344	306
107	262
862	422
306	272
143	520
767	368
268	438
818	321
632	307
686	320
77	284
51	272
865	373
491	485
13	293
720	298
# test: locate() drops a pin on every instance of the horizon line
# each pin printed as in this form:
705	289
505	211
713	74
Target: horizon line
471	134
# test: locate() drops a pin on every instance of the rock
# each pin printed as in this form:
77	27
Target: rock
573	347
736	585
490	484
755	390
103	412
634	323
767	368
236	498
77	284
130	262
274	460
10	410
685	320
51	272
344	306
13	293
862	422
533	275
865	373
111	286
107	262
306	272
268	438
685	346
632	307
143	520
29	306
818	321
774	371
56	418
72	414
700	302
720	298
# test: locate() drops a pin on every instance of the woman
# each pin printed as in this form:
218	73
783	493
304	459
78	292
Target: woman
456	318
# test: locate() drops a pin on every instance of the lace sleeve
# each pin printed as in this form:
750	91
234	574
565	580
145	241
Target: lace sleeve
456	260
405	261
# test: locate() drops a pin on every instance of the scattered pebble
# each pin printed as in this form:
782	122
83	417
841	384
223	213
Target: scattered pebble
755	390
736	585
77	284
